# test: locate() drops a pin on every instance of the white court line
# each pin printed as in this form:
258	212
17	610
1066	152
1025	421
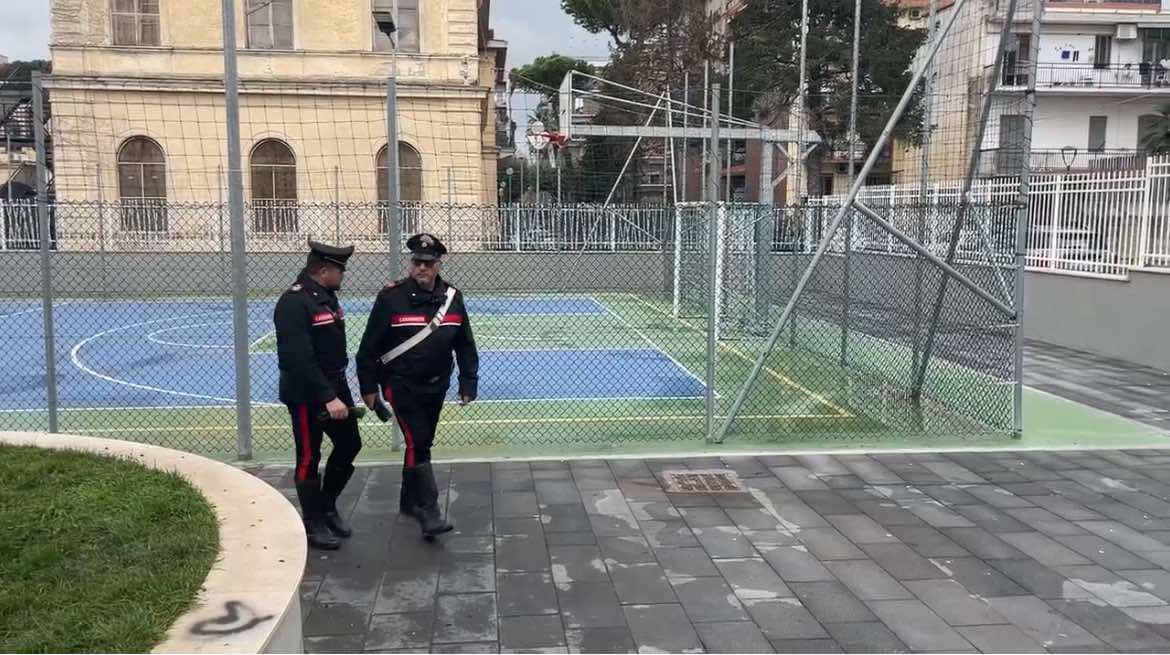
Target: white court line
264	336
153	337
653	345
34	310
75	357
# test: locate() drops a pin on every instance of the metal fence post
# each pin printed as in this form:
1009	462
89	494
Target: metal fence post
45	235
337	205
712	264
103	266
1147	212
239	259
394	231
1054	237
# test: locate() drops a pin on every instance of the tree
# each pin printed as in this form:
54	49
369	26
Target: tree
1156	140
598	16
767	40
543	77
20	72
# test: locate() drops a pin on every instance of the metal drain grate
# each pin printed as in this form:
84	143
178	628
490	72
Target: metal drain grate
702	482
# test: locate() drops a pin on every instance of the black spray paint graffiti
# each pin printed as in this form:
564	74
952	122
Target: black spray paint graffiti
237	617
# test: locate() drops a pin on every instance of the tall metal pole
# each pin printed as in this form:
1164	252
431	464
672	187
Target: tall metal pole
706	117
101	225
730	86
827	236
712	264
394	233
44	227
801	104
924	206
236	214
849	221
996	74
1022	227
686	123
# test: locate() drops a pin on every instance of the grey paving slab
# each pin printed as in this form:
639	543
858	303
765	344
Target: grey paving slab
795	564
565	518
732	637
642	489
979	577
827	502
804	646
1123	536
524	632
822	465
918	627
659	628
723	541
518	503
674	534
1154	581
1000	639
526	594
1039	580
641	583
708	599
406	590
471	647
753	519
867	580
557	492
391	631
583	538
1112	626
465	618
1043	549
336	644
861	529
521	553
348	586
991	519
798	478
685	562
1109	586
888	514
1046	522
590	605
625	550
1104	553
577	564
752	579
900	561
705	517
654	510
871	471
928	541
829	544
600	640
953	603
831	602
1044	624
785	618
983	544
868	637
336	619
468	573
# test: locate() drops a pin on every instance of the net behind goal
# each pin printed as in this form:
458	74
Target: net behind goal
739	238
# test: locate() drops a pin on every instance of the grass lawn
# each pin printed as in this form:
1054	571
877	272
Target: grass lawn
98	554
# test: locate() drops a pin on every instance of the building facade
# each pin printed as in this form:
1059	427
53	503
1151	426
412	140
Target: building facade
137	97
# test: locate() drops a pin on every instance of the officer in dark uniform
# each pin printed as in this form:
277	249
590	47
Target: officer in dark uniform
415	326
311	348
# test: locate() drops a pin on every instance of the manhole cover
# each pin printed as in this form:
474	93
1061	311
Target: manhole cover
703	482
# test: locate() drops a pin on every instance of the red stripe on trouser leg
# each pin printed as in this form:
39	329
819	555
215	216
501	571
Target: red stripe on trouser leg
406	435
306	444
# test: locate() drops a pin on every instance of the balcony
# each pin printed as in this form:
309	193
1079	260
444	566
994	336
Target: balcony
1088	78
996	162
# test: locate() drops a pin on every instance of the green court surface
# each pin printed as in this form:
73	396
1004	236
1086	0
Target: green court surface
619	374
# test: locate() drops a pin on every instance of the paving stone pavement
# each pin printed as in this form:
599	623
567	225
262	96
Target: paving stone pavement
856	553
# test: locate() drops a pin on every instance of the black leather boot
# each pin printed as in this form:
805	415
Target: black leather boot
333	519
407	504
309	495
427	495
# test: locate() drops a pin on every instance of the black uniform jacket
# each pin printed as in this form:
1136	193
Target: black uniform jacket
310	343
401	310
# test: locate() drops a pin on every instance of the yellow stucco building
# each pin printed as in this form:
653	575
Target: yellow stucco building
137	102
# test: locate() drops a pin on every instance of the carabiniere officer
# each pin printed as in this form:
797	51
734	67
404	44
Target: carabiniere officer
311	349
415	326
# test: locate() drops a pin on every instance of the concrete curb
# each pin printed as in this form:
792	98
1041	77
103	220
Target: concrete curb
250	601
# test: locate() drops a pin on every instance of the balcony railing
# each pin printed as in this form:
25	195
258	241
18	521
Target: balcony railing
1089	76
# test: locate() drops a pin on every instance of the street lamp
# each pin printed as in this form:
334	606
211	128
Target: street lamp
537	140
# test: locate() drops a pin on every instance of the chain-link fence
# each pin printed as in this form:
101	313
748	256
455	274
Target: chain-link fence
585	340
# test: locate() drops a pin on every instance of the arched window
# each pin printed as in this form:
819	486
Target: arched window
409	184
142	185
274	187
